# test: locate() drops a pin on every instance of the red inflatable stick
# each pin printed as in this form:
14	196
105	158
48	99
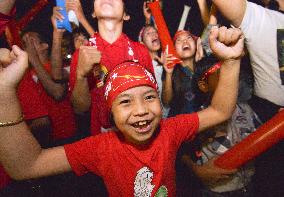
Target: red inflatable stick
163	31
256	143
32	13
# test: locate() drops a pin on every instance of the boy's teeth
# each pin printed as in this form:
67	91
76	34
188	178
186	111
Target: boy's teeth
142	123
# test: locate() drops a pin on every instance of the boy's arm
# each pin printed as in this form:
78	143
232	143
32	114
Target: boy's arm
81	97
233	10
53	89
20	154
227	45
204	11
167	92
57	70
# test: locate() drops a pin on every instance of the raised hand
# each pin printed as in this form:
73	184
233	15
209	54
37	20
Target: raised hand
147	13
13	71
88	57
76	6
56	15
226	43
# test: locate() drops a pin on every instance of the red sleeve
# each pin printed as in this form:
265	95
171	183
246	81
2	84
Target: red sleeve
144	57
182	127
89	154
31	102
4	178
73	67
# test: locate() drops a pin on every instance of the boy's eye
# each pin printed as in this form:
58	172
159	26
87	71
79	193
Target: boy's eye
126	101
150	97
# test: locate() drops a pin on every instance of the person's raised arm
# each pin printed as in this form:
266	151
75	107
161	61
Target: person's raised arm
227	45
204	11
57	71
20	154
36	56
77	7
233	10
81	97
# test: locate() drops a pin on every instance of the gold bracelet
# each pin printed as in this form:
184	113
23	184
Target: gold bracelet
12	123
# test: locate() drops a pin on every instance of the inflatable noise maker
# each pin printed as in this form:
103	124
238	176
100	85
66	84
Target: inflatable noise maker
65	23
164	35
256	143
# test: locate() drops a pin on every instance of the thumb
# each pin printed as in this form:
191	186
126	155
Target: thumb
213	38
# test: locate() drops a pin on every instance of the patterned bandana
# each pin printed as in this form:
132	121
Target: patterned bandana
125	76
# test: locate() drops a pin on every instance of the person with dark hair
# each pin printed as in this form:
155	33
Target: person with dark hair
137	158
264	35
107	48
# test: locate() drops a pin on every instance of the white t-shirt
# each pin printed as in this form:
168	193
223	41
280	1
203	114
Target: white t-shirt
260	27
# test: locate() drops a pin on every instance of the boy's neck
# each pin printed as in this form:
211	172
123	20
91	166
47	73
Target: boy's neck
188	63
110	30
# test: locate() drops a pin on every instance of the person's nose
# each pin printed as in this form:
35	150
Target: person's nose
140	109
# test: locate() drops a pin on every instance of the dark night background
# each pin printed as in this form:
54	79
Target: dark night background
172	10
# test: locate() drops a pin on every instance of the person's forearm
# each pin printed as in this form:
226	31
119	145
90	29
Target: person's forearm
213	15
87	26
167	93
56	56
227	88
55	90
81	97
18	148
204	11
233	10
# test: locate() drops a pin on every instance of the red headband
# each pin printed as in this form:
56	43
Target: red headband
179	32
125	76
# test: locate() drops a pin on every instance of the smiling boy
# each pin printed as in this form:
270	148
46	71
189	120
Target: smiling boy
138	157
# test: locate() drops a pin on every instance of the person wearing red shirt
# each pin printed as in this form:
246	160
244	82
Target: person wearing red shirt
109	47
137	158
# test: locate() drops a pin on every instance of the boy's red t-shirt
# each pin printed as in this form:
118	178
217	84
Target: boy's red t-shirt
112	55
130	170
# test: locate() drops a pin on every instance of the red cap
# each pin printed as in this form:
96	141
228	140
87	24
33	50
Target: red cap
125	76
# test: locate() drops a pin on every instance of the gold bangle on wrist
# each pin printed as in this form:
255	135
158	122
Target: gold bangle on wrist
12	123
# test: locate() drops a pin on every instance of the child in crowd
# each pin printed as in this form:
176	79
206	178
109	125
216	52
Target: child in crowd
108	47
137	158
150	38
179	83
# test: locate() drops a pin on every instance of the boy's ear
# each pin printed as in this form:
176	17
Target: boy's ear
126	17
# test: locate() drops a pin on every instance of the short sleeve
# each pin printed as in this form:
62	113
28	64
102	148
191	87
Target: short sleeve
181	127
88	155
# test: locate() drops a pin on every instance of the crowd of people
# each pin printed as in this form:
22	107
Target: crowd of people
97	104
